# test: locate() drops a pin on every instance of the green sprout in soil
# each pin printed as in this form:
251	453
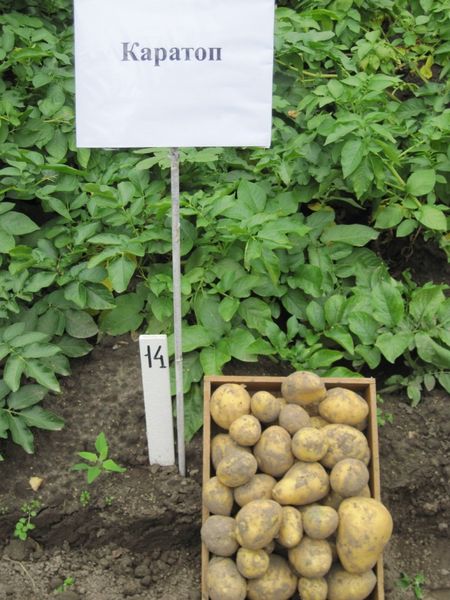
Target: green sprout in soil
109	500
383	416
85	498
412	583
24	524
67	583
97	463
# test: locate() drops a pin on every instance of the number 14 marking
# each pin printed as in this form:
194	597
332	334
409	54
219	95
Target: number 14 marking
156	356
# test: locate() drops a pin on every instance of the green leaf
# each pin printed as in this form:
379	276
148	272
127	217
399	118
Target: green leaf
193	404
110	465
30	337
339	334
93	473
207	312
251	195
80	467
308	278
239	341
432	217
120	271
354	235
315	314
195	337
26	396
42	374
394	345
351	156
7	242
101	445
125	317
15	223
370	355
98	297
228	307
256	313
36	416
387	304
389	216
20	433
40	280
432	352
89	456
334	309
444	380
12	372
213	358
80	324
425	302
421	182
324	358
364	326
72	347
406	227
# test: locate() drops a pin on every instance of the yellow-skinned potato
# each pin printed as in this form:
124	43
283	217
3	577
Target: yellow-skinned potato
309	444
221	444
349	477
259	487
224	582
246	430
229	402
236	468
311	558
332	499
293	417
344	441
218	535
265	407
217	498
303	388
257	523
252	563
365	527
319	522
343	406
348	586
291	529
318	422
273	451
313	589
304	483
277	583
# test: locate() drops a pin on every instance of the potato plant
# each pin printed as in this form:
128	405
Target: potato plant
289	502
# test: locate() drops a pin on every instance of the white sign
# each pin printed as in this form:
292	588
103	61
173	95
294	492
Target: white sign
157	399
173	73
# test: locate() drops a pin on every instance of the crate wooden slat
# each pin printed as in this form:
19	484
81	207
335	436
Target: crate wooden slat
363	386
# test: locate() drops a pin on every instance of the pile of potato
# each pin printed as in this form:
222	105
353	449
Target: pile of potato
290	505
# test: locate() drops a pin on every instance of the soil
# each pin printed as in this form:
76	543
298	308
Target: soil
138	537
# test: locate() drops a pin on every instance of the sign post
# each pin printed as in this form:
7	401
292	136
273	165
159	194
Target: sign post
174	73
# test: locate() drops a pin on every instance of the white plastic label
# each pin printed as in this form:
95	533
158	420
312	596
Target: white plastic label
173	73
157	398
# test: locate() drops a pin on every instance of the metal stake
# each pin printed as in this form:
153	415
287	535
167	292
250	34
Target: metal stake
176	271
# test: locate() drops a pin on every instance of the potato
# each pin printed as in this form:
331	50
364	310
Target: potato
260	486
304	483
309	444
246	430
273	451
252	563
218	535
217	498
257	523
303	388
229	402
224	582
293	417
265	406
236	468
270	547
312	589
220	445
311	558
343	406
344	441
318	422
362	426
349	477
348	586
291	529
319	522
277	583
365	527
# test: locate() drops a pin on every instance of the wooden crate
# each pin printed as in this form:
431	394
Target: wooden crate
363	386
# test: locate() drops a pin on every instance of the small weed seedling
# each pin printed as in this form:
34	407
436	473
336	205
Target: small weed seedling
24	524
414	583
67	583
109	500
85	498
97	463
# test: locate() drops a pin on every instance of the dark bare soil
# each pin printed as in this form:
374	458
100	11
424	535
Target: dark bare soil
139	535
